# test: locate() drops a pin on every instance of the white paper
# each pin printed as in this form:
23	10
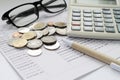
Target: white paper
60	64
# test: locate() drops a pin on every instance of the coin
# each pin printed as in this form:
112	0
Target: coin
16	35
62	32
60	25
45	32
10	41
34	44
39	34
51	30
34	53
19	43
49	40
23	30
39	26
52	47
50	24
29	35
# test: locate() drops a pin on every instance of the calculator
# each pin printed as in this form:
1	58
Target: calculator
98	19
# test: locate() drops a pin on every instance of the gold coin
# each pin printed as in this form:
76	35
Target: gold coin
60	24
29	35
19	43
39	25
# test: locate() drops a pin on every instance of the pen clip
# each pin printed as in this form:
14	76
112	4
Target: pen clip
115	66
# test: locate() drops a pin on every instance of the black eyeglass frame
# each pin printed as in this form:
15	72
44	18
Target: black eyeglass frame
36	11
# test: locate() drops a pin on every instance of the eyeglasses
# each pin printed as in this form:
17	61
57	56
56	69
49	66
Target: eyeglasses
25	14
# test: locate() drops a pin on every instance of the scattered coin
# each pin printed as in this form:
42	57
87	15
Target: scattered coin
39	34
39	26
51	30
19	43
16	35
50	24
29	35
34	44
10	41
45	32
34	53
62	32
60	25
52	47
49	40
23	30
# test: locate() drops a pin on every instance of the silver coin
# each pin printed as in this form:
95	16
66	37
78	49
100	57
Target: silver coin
49	40
39	26
34	44
62	32
51	30
52	47
23	30
39	34
45	32
60	24
34	53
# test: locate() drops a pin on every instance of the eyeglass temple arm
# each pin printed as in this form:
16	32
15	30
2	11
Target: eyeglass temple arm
31	11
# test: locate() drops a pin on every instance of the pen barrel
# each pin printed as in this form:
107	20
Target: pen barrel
95	54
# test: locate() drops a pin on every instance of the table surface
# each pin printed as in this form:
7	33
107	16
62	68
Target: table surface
7	72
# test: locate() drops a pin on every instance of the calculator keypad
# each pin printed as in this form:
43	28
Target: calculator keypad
96	20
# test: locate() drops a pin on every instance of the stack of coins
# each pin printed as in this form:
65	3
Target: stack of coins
38	34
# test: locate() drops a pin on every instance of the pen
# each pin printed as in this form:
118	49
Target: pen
114	63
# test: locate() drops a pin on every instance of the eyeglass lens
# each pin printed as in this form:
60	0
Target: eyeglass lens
55	6
23	20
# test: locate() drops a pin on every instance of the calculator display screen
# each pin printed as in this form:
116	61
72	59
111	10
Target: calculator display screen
97	2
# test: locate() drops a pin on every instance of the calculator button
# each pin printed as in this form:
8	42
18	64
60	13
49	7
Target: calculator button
116	12
97	11
76	28
87	11
107	16
116	9
76	18
88	19
99	29
76	23
118	27
108	20
87	15
76	14
98	15
76	11
110	30
106	9
109	25
88	24
117	16
117	20
98	19
106	12
86	28
98	24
